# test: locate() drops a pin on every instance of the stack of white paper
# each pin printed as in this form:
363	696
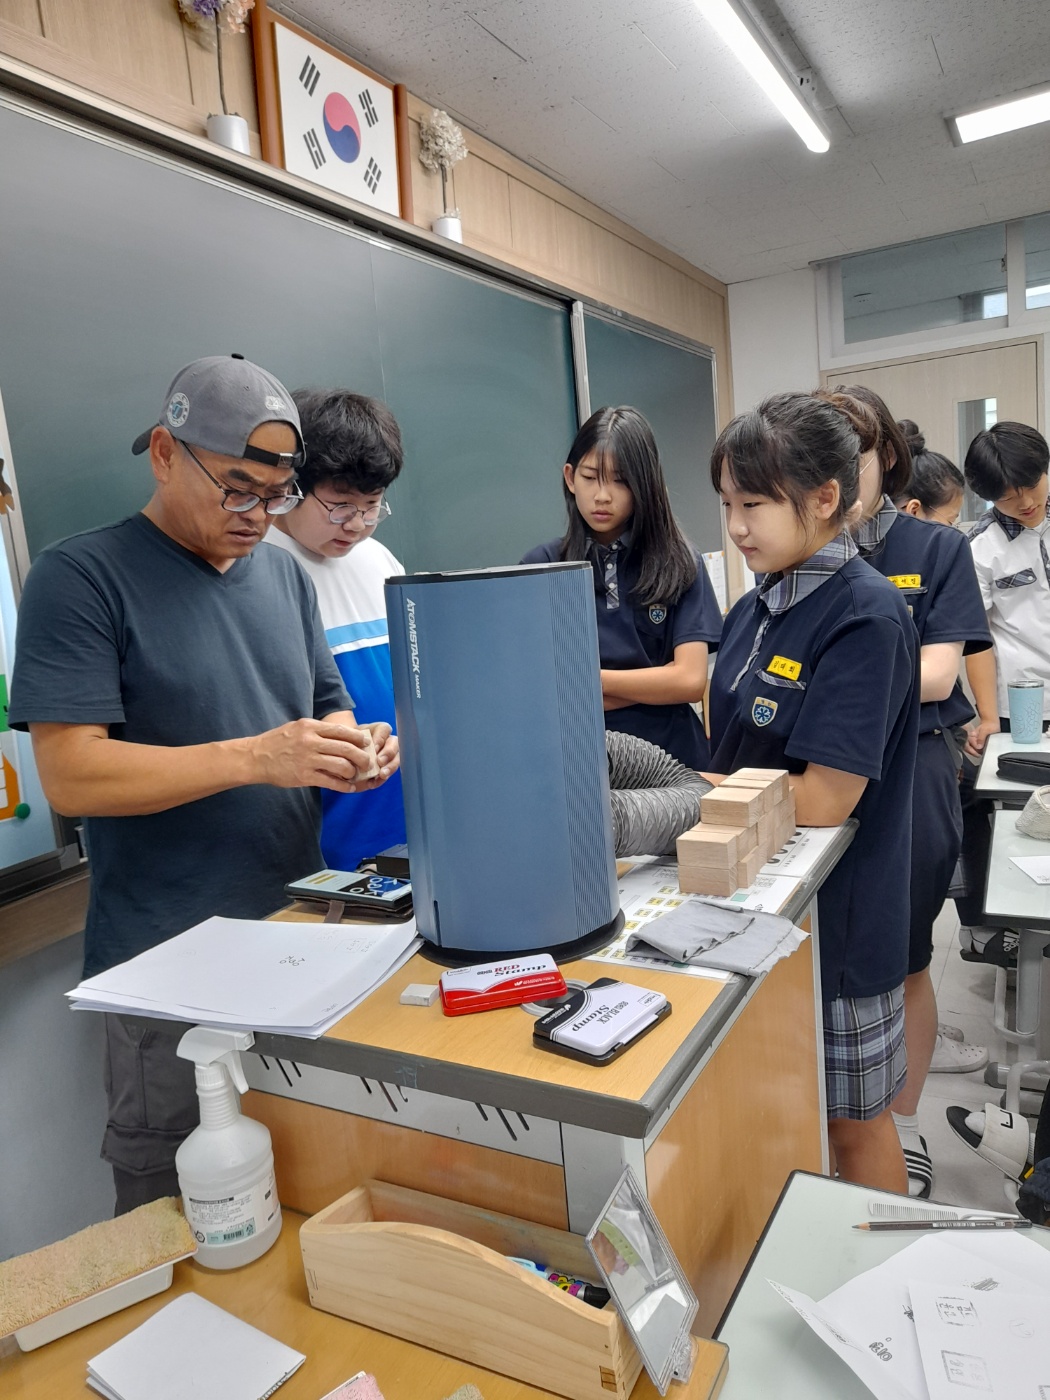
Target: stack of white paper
192	1350
944	1317
288	978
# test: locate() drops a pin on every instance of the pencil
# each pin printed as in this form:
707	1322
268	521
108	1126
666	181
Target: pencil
944	1225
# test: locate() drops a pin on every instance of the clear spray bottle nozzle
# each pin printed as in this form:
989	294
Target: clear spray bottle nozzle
205	1045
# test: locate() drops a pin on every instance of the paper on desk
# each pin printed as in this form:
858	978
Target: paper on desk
862	1362
291	978
994	1343
1036	868
192	1350
871	1313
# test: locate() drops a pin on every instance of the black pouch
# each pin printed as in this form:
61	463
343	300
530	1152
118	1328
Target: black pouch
1033	768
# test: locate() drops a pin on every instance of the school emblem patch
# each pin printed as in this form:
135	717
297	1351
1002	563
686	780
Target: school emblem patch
657	614
763	710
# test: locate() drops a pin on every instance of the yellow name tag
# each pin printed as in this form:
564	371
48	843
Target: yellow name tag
781	666
906	580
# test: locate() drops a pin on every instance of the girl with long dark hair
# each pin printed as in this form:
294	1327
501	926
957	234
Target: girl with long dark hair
657	614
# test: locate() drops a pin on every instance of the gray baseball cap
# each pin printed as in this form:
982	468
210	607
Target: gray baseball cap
217	403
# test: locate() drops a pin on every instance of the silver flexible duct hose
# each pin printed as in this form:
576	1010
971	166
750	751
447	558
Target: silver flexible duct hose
654	797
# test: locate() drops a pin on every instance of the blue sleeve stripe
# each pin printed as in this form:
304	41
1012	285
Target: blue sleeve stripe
356	632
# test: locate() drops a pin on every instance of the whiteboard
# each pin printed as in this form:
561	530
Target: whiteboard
27	828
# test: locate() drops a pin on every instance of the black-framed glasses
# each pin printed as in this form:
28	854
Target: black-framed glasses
343	514
241	501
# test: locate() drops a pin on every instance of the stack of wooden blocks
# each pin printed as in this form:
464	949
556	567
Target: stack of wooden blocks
744	821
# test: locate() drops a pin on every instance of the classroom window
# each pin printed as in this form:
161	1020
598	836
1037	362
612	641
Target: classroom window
1037	261
975	415
920	286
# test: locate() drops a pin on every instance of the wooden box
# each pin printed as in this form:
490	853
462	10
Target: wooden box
713	847
433	1271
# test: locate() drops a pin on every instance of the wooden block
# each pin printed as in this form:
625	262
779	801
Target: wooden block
776	778
731	806
697	880
712	847
372	771
766	829
748	868
785	823
765	791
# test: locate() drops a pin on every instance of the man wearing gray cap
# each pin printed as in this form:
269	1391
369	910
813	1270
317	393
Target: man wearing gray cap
182	699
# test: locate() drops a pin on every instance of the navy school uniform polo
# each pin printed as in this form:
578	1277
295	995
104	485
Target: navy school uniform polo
632	637
835	682
933	568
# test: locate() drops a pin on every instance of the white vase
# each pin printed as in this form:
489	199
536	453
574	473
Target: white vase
231	132
449	226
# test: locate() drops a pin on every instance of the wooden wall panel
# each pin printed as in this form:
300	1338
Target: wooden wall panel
137	52
320	1154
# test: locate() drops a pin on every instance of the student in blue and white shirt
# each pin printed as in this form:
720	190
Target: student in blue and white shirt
658	618
817	674
933	570
353	453
1005	464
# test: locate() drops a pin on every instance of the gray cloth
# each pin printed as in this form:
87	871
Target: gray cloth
654	797
152	1107
710	935
123	627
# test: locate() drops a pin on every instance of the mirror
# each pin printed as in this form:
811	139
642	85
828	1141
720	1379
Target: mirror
645	1281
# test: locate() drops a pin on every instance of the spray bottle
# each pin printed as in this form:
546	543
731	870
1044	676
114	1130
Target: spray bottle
225	1166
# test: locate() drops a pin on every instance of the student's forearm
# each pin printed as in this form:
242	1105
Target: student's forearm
656	685
86	773
983	677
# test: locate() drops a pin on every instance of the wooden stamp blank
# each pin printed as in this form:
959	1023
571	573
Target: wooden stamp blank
712	847
731	806
776	778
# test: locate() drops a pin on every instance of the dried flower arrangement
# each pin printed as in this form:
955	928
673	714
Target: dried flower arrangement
212	17
441	146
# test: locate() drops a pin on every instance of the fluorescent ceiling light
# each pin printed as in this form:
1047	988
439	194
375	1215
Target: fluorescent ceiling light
1011	115
767	71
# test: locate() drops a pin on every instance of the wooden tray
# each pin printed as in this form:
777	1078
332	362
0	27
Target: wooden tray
433	1271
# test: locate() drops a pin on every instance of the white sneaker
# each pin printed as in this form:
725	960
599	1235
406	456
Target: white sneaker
956	1057
951	1032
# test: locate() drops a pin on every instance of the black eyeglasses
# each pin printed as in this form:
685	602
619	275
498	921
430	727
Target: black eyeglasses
241	501
343	514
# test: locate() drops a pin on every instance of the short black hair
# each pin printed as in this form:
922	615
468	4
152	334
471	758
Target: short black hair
792	444
935	480
351	440
1004	458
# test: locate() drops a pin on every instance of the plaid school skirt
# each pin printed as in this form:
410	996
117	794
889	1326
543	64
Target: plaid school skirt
865	1062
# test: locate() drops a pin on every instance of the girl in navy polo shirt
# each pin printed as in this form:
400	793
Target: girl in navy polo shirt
933	569
657	612
817	674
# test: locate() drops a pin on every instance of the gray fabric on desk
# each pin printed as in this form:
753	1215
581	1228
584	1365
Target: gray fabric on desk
710	935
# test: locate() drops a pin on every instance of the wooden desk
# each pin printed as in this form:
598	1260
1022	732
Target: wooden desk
712	1110
271	1295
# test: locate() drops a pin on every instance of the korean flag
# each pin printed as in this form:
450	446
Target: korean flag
337	123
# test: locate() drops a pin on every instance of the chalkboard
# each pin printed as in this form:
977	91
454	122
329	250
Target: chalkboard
674	387
119	266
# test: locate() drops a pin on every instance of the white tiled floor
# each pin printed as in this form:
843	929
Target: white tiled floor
964	998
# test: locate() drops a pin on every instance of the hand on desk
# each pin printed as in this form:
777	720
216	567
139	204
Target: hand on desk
978	736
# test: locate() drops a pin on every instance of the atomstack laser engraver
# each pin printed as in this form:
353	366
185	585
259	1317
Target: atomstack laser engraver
503	762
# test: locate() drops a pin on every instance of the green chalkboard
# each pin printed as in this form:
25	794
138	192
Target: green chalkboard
119	266
674	387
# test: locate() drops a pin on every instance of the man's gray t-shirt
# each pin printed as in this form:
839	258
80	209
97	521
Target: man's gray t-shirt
124	627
